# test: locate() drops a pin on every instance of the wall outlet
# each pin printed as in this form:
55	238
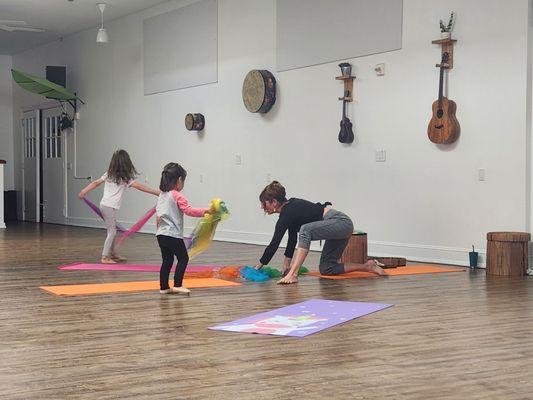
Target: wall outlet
238	159
381	155
481	174
380	69
69	166
77	116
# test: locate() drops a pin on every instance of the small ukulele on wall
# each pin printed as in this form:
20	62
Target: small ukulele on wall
346	132
443	127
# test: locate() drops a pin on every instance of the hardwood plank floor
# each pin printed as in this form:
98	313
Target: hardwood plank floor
449	336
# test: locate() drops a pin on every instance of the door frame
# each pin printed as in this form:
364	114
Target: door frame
38	108
64	146
38	169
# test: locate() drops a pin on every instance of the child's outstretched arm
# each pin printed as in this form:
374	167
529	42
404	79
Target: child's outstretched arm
144	188
186	208
93	185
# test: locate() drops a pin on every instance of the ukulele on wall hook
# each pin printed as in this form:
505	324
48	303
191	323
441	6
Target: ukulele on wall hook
346	132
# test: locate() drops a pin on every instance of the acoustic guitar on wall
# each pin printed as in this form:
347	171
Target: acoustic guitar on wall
346	132
443	127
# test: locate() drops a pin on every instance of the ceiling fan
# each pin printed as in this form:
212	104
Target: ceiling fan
11	25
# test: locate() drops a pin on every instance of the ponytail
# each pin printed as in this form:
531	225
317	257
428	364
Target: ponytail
170	176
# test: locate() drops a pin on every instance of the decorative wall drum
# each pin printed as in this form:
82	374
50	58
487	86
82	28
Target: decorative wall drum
194	122
259	91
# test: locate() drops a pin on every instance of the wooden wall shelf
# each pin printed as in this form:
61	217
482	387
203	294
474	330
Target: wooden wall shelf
446	46
348	86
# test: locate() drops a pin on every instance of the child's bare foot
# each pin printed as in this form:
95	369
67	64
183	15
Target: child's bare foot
374	266
181	290
118	258
107	260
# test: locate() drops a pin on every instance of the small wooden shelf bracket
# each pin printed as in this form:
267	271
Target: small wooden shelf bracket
348	87
446	46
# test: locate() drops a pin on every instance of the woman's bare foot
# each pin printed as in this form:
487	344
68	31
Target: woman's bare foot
107	260
374	266
288	279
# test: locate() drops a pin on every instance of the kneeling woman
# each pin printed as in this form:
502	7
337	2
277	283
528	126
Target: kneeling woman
313	221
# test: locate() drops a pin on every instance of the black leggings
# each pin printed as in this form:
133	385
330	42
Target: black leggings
170	247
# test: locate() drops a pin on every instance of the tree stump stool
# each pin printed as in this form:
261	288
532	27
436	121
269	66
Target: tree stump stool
356	250
391	261
507	253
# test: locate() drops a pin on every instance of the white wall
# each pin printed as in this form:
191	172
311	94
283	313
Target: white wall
6	120
424	202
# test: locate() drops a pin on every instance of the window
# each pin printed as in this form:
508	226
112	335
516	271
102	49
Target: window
30	139
52	137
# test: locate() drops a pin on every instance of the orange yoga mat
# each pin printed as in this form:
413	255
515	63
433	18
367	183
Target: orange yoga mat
408	270
97	288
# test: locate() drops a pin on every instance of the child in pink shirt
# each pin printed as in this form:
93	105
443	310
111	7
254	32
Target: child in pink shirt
171	205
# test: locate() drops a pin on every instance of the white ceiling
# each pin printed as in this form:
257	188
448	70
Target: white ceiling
59	18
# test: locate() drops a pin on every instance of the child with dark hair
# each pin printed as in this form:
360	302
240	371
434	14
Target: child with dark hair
171	205
119	176
311	221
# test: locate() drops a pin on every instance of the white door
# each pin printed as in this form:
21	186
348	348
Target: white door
53	168
30	166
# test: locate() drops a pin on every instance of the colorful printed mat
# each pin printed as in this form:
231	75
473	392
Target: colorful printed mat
302	319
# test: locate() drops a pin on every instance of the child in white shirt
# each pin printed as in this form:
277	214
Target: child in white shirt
119	176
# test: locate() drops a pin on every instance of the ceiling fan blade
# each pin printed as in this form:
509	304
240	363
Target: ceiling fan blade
12	22
27	29
6	28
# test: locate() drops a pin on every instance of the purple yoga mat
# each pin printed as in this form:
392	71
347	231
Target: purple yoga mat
302	319
133	267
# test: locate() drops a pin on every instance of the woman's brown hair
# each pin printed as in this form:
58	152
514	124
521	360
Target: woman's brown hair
273	191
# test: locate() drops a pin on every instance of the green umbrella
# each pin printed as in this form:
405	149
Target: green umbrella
42	86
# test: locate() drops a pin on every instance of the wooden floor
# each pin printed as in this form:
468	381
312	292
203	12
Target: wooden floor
449	336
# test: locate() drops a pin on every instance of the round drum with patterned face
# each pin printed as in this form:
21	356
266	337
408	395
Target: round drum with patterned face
259	91
194	122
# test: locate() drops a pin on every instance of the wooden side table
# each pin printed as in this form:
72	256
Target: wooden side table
507	253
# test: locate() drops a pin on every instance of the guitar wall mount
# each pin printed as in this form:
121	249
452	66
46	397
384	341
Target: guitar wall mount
346	133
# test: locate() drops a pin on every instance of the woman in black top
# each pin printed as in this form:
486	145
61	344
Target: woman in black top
313	221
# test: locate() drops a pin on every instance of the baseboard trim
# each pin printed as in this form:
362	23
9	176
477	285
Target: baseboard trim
410	251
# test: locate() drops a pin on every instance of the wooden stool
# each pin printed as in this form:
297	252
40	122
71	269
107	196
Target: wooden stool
507	253
356	251
391	261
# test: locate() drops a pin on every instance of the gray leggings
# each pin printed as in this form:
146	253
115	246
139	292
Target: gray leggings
110	220
336	229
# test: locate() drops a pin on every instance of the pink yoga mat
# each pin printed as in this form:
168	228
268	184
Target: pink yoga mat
132	267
